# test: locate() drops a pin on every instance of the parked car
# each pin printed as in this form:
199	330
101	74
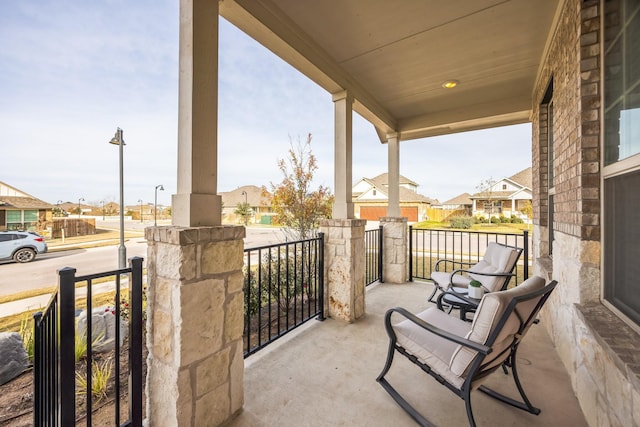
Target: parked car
21	246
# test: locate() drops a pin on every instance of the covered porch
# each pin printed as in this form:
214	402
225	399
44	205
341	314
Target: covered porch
325	375
395	65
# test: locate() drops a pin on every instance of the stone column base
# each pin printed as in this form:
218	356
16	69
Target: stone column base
195	325
395	264
344	268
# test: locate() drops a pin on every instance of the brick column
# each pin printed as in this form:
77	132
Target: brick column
395	264
344	267
195	325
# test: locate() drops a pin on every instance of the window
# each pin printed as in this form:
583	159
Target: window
504	186
20	220
621	171
550	174
547	139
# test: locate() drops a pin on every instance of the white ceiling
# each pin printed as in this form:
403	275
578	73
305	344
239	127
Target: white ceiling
393	56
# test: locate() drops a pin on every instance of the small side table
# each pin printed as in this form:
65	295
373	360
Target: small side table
458	298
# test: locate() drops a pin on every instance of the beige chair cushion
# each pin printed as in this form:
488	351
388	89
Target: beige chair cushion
497	259
487	316
429	348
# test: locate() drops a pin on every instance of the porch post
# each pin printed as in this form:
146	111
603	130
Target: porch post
393	209
194	267
344	235
196	202
343	156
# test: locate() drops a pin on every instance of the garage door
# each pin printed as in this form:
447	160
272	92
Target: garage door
374	213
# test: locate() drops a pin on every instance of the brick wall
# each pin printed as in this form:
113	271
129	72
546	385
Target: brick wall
576	98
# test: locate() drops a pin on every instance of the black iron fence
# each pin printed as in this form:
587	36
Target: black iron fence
426	246
58	384
283	288
373	255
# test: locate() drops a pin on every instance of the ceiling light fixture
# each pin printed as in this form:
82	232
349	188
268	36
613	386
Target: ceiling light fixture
450	84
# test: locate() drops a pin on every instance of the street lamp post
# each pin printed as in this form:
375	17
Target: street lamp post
122	250
155	205
140	201
81	199
246	209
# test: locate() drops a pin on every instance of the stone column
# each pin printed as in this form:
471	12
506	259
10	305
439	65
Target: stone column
194	325
395	263
344	268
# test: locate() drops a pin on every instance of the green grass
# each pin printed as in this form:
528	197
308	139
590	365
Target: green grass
487	228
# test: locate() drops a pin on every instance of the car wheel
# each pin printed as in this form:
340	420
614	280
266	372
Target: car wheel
24	255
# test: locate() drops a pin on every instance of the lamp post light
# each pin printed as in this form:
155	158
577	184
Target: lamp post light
81	199
140	201
246	209
155	205
122	250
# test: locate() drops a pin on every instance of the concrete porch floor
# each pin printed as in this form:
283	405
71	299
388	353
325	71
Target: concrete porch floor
324	374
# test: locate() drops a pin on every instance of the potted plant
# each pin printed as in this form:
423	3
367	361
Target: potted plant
475	289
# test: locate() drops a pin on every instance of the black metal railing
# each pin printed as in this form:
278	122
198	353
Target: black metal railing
427	246
283	288
373	256
55	345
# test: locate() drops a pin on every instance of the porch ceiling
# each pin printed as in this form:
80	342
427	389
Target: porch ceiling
394	56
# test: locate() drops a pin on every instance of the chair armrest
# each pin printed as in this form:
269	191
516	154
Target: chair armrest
452	262
461	270
433	329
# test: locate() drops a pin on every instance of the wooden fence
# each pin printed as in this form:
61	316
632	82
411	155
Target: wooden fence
72	227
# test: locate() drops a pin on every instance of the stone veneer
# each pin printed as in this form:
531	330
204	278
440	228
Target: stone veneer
394	255
195	325
344	268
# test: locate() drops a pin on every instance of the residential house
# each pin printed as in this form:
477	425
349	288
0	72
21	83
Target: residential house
259	205
461	205
371	197
506	197
22	211
414	70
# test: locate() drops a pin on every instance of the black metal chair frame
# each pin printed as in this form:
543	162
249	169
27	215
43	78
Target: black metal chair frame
462	301
477	369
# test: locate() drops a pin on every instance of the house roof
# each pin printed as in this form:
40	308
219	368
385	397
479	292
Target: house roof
524	178
393	58
13	202
380	183
382	180
235	197
462	199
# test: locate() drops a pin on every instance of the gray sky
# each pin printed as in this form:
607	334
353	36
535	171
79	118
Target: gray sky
73	71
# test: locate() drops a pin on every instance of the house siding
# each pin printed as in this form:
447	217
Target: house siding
582	328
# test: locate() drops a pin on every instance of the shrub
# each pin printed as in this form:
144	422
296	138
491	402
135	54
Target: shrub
462	222
100	376
495	220
516	220
26	333
480	220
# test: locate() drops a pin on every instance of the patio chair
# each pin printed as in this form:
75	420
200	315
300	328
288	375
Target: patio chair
459	354
494	270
